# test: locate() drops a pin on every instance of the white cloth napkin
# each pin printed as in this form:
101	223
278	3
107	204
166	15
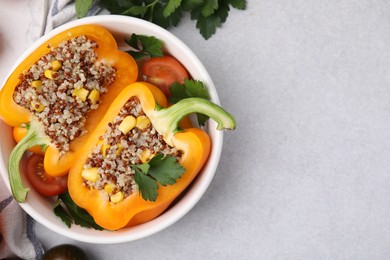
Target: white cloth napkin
17	236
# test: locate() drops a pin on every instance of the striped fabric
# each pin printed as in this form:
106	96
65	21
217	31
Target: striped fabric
63	11
17	236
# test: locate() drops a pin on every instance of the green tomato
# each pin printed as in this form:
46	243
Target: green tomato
65	252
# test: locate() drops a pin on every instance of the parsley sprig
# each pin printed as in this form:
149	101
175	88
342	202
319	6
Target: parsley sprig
190	88
70	213
161	169
209	14
144	46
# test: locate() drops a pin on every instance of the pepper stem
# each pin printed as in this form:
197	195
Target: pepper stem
35	137
166	120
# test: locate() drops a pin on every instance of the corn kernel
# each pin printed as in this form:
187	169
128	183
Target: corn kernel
119	149
81	93
90	174
51	74
37	84
105	147
94	96
117	197
145	156
39	107
56	65
109	188
142	122
127	124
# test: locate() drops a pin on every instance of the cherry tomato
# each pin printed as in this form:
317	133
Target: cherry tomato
42	182
163	72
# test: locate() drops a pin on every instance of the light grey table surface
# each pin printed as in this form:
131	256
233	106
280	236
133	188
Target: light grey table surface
306	175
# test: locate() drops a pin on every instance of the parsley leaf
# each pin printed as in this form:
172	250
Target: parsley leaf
190	88
82	7
210	14
189	5
209	7
175	17
208	25
60	212
171	6
143	167
70	213
162	169
135	11
118	6
165	169
223	12
156	15
147	186
144	46
238	4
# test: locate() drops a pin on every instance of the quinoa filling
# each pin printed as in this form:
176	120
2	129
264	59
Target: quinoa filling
108	166
62	87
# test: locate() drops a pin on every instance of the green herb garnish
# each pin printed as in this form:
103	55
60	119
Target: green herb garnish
190	88
82	7
70	213
161	169
209	14
144	46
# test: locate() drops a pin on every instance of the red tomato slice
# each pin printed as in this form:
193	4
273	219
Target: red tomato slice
42	182
163	72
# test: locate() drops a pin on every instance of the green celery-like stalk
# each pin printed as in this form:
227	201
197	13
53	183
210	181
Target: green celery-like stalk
35	137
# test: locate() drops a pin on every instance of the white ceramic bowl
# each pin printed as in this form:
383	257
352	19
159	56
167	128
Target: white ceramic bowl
40	208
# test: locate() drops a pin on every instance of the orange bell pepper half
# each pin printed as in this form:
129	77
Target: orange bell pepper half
126	72
194	144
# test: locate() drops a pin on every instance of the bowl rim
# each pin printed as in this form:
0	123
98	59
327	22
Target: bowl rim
193	193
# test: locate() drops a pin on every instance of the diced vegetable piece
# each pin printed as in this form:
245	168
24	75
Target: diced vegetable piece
117	197
90	174
37	106
104	149
37	84
142	122
109	188
51	74
119	149
127	124
94	96
56	65
145	156
81	93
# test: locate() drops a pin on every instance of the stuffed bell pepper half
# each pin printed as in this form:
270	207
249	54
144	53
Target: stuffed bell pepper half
57	95
138	160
